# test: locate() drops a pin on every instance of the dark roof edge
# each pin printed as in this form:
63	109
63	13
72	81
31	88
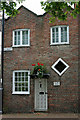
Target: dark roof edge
29	11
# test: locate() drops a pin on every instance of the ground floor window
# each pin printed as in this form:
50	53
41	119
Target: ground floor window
21	82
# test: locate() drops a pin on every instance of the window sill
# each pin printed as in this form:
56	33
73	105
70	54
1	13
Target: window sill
59	44
18	93
20	46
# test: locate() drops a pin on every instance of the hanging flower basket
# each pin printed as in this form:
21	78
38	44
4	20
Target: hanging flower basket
39	71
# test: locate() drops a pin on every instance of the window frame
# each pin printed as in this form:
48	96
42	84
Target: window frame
53	67
13	86
21	45
59	33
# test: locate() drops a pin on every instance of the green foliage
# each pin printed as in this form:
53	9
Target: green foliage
39	69
9	7
60	9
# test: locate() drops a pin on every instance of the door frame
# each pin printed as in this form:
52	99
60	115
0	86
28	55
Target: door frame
35	96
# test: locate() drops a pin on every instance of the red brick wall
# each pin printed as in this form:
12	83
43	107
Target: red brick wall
65	97
60	99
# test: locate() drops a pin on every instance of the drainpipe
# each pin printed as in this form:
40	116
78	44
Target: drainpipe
2	56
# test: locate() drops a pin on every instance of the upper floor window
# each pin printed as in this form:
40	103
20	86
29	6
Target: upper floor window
59	35
21	37
21	82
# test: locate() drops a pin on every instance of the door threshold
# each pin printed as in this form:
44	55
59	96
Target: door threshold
40	110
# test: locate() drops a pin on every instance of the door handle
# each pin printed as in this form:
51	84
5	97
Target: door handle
46	93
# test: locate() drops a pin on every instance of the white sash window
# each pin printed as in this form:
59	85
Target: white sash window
59	35
21	37
21	82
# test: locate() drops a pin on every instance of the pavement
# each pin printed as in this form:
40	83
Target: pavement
40	116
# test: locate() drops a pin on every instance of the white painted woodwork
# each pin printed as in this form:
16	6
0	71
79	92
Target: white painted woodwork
40	95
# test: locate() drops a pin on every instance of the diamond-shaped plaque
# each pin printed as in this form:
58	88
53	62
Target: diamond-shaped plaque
60	66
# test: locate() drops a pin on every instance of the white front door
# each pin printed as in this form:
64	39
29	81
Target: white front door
40	95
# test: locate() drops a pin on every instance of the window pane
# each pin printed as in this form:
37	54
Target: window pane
22	78
26	79
26	88
26	73
15	84
25	37
15	79
19	84
19	88
23	89
55	36
18	37
23	84
15	88
15	38
64	34
19	73
19	79
22	73
26	84
16	74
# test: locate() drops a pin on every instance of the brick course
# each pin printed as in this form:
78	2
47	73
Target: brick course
60	99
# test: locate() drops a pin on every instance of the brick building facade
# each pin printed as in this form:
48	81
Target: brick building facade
46	43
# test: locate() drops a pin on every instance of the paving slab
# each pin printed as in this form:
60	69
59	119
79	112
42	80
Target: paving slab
40	119
0	116
42	115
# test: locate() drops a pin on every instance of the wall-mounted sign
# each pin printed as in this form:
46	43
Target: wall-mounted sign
8	49
56	83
